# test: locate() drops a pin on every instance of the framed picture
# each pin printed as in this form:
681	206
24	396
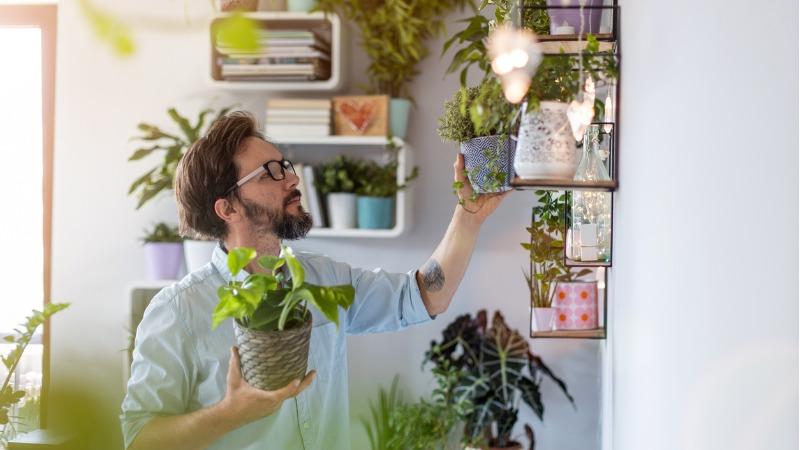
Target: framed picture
360	115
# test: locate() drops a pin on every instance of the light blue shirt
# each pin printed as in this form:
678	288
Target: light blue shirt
180	365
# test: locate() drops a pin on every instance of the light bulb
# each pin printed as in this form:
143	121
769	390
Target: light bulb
608	116
514	55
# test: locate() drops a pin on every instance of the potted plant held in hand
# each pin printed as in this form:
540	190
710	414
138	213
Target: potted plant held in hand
479	119
546	249
272	320
337	182
376	193
163	248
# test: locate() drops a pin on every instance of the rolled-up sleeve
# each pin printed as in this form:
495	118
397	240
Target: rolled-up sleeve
161	371
384	301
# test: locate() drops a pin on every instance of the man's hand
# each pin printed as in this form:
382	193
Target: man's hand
244	403
485	204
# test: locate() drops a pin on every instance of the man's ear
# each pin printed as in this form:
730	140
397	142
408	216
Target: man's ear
225	210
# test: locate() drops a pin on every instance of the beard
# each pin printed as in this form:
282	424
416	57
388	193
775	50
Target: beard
277	221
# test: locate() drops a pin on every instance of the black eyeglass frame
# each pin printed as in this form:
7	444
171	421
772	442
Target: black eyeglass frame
283	165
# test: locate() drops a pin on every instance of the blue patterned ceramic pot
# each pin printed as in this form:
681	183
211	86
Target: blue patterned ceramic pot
485	157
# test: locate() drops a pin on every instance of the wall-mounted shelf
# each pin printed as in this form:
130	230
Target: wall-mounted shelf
565	184
597	333
327	25
314	150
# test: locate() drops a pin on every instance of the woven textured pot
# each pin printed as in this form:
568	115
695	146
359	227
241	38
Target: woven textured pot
271	359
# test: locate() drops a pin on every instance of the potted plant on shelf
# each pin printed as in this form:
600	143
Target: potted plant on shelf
547	146
272	320
163	248
161	178
394	36
480	119
336	180
497	371
546	249
9	396
568	20
377	186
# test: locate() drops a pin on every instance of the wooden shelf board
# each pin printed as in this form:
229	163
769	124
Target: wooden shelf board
573	37
571	47
597	333
565	184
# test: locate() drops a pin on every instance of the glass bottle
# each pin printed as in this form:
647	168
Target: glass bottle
591	210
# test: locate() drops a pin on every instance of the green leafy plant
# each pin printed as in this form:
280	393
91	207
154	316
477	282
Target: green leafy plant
173	146
9	397
546	249
275	301
472	39
338	175
394	35
378	426
475	112
162	232
376	180
428	424
497	371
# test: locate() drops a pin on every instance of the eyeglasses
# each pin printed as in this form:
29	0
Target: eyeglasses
274	168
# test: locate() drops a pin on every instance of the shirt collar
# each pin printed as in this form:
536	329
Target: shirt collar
219	259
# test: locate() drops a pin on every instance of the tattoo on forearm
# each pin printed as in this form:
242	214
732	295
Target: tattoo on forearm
432	276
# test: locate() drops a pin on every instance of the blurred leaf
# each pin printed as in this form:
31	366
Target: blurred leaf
108	29
238	32
239	258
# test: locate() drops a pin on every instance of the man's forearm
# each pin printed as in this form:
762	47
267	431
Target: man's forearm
440	276
194	431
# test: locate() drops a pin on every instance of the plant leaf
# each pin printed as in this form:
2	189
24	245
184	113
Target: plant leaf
239	258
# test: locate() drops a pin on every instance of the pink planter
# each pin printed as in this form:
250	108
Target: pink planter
575	304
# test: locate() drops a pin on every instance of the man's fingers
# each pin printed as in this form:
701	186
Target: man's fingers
458	168
306	381
234	371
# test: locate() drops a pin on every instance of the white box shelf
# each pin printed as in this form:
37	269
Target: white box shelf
319	149
330	25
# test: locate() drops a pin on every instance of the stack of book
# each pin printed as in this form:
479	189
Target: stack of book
298	118
282	55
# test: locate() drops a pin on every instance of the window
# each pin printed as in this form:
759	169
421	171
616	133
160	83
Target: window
27	48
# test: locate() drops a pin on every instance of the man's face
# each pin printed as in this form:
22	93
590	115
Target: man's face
270	206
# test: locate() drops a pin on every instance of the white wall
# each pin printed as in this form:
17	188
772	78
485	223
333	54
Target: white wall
705	315
100	99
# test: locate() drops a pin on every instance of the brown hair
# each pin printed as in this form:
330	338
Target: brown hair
207	171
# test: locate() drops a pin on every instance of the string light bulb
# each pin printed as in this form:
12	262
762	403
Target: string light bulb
514	55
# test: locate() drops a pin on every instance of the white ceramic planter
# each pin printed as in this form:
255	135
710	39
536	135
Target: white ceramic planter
197	253
342	210
545	146
542	319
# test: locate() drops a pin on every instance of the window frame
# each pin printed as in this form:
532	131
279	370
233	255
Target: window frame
44	17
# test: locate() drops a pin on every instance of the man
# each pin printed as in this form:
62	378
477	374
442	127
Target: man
186	390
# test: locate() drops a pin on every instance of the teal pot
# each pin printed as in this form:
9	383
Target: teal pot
300	5
399	109
375	213
342	210
478	165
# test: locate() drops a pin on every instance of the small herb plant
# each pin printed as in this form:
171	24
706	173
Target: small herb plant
162	232
338	175
8	395
379	427
271	301
546	249
376	180
173	146
475	112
